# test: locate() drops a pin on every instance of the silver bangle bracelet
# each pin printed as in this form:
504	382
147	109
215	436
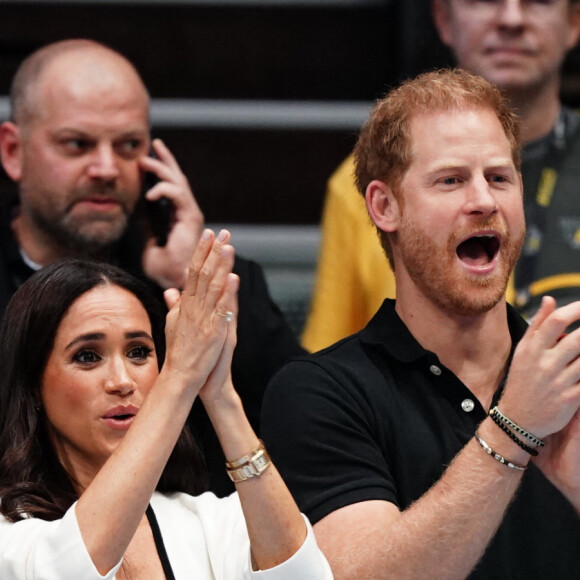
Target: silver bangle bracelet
497	456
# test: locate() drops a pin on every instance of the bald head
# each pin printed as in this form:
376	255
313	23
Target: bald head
74	69
80	129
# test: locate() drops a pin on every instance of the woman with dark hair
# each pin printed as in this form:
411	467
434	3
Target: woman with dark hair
98	477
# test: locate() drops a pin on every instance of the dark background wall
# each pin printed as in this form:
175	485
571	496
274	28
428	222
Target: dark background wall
273	51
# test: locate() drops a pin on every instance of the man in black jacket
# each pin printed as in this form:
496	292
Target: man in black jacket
77	145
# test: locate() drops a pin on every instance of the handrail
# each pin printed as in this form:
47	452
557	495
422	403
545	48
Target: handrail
229	3
251	114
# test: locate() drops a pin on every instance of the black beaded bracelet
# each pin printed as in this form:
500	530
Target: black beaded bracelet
511	435
535	440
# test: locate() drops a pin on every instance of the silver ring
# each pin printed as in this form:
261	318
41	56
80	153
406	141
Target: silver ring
229	315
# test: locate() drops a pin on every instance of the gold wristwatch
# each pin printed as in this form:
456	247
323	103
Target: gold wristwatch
252	465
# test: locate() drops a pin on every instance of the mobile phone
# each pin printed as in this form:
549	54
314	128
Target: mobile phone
158	212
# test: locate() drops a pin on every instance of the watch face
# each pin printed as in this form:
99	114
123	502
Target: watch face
255	465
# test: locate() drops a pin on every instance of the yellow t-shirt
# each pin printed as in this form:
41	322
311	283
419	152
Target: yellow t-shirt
353	275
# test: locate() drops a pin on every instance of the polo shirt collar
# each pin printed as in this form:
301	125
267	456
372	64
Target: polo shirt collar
388	331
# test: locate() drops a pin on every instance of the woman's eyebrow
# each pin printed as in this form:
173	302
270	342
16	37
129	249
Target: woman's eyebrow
138	334
85	337
101	336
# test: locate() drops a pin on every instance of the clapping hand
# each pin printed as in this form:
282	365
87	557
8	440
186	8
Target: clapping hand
201	333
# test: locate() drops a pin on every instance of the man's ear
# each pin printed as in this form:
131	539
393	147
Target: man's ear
383	206
11	150
442	18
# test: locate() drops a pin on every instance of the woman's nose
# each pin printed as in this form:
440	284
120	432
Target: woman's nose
119	380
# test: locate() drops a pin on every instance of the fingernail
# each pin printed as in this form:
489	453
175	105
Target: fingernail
222	236
206	234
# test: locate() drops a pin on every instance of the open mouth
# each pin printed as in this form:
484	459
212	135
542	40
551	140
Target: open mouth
478	250
119	421
120	417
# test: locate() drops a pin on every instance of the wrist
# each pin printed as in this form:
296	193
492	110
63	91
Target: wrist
236	436
177	384
225	400
523	438
502	444
514	409
251	465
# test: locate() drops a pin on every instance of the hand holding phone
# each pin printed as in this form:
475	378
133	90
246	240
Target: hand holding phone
159	212
171	218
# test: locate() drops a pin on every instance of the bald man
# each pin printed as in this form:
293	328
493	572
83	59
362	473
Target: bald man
77	146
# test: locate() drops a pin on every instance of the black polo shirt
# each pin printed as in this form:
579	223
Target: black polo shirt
377	417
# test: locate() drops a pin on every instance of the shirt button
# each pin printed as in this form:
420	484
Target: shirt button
435	370
467	405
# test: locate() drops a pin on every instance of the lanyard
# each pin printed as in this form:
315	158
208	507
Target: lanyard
541	177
